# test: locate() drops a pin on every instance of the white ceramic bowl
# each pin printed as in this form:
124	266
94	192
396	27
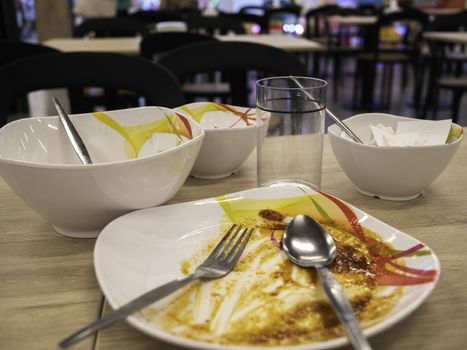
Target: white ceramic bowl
230	137
39	164
393	173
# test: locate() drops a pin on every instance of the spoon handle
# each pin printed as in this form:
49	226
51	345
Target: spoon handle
343	309
76	141
336	120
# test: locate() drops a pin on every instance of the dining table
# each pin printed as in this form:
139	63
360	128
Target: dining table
447	37
49	288
130	45
354	20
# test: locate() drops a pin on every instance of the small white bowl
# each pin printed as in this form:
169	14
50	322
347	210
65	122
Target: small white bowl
230	137
39	164
392	173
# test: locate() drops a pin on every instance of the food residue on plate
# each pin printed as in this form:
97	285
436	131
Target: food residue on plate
268	301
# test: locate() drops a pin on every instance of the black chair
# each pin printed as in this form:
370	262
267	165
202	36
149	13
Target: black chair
253	10
342	41
156	16
404	51
153	45
316	26
214	25
317	29
446	65
369	10
78	70
234	58
14	50
158	43
248	20
281	15
111	27
11	51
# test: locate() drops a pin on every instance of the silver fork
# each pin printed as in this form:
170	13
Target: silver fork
218	264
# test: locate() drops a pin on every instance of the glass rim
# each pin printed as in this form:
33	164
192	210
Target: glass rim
260	83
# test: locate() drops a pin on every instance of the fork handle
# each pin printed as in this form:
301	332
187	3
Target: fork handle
343	309
126	310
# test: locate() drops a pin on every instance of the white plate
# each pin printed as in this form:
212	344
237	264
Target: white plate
144	249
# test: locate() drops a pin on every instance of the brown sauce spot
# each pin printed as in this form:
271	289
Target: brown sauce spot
272	215
350	260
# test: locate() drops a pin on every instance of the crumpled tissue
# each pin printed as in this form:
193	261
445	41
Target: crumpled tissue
410	133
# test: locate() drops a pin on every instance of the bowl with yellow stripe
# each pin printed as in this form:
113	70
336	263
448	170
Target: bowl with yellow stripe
230	137
141	157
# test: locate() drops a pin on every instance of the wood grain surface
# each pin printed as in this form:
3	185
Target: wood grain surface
48	287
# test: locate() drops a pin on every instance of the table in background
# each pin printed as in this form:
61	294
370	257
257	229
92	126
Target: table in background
442	11
130	45
49	288
457	44
355	20
447	37
126	46
285	42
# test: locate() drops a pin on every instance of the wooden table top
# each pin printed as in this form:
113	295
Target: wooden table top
48	287
447	37
130	45
442	11
355	20
281	41
126	46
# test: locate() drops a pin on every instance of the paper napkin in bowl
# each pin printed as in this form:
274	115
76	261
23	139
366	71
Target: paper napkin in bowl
411	133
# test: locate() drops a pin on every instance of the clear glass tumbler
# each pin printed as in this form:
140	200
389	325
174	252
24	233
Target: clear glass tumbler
290	114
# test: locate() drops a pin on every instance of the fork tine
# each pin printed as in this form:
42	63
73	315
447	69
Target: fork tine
226	248
221	244
239	246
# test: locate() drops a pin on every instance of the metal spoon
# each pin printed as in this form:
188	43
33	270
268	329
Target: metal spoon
339	122
73	136
308	244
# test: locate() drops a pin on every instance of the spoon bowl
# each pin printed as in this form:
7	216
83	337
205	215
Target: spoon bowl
308	244
308	247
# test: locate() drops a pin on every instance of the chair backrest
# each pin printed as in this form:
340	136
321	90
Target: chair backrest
316	20
156	16
414	24
111	27
233	58
214	25
82	69
272	14
14	50
405	14
247	18
449	23
368	10
158	43
442	51
253	10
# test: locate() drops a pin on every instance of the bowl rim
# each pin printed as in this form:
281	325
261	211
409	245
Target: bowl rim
210	130
332	131
78	166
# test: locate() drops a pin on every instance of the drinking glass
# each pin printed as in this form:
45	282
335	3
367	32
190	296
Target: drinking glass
290	114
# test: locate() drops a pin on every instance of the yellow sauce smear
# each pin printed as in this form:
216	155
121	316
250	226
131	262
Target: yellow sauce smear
268	301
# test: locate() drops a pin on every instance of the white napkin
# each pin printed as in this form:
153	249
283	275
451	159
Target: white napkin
412	133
